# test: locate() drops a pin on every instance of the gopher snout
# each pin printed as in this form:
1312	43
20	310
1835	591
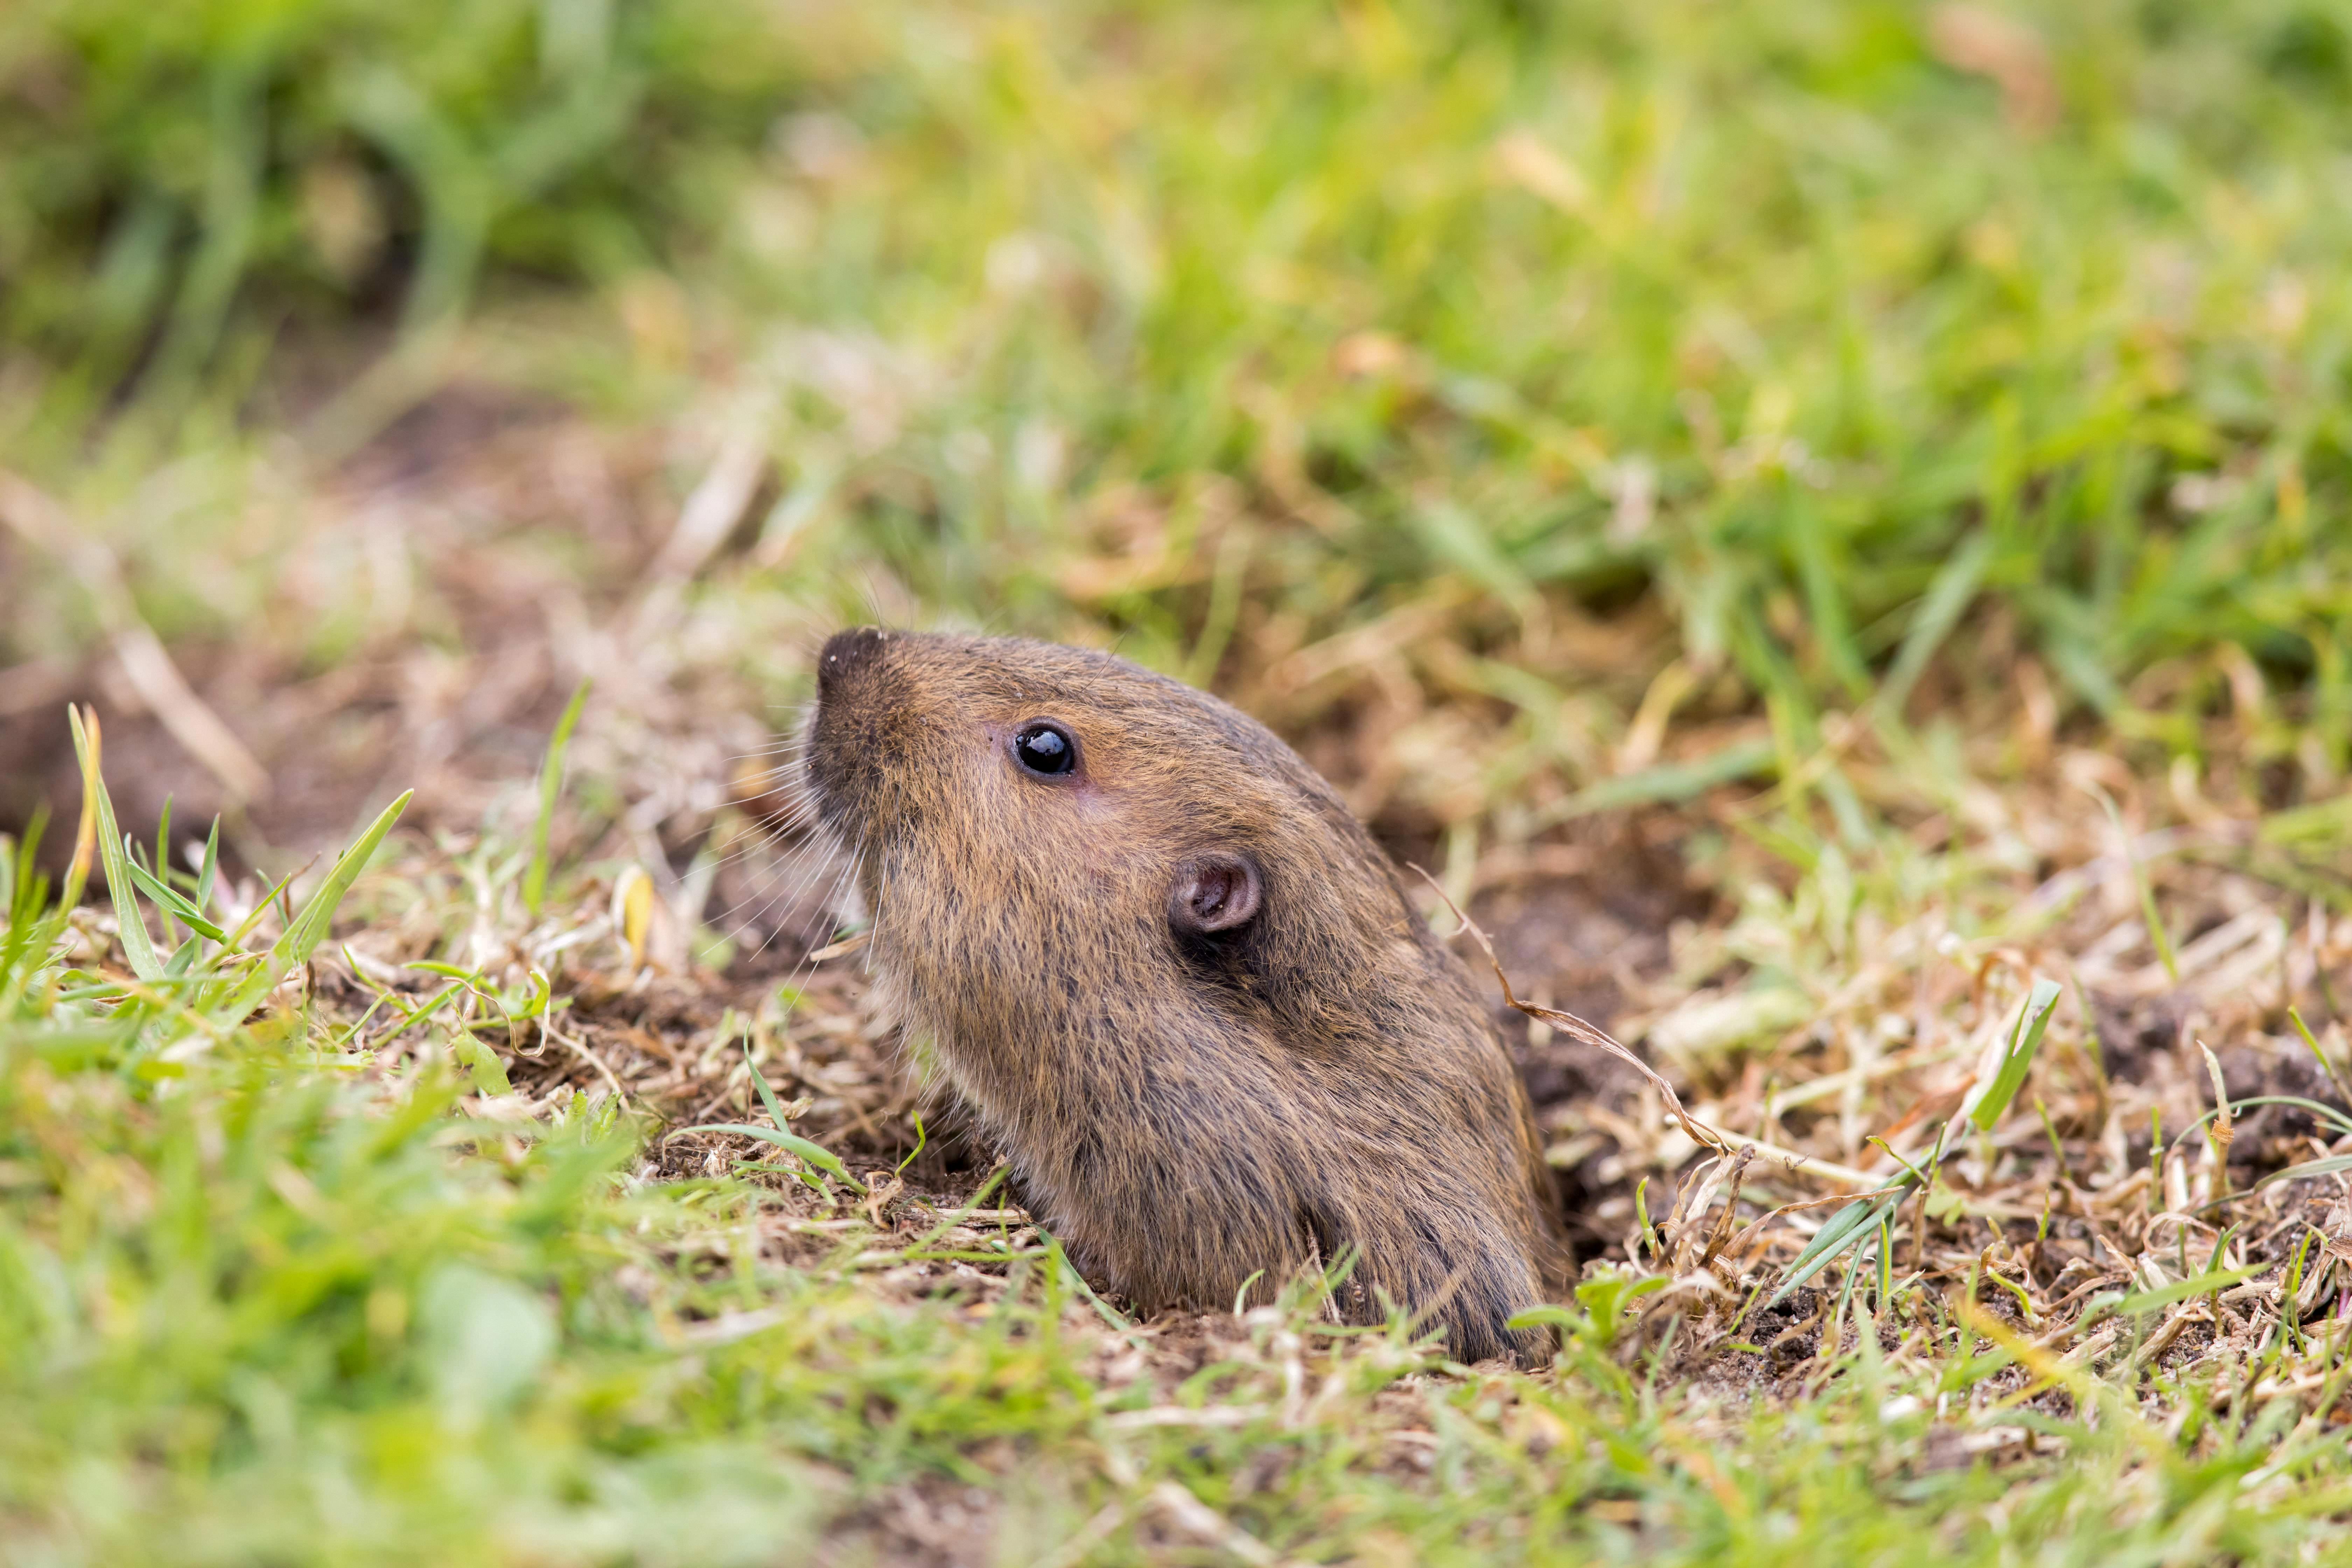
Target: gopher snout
856	720
847	654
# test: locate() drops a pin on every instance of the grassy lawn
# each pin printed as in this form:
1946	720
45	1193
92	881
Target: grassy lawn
1824	526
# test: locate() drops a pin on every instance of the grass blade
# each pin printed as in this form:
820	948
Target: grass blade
210	869
2326	1167
1667	782
28	903
304	933
816	1154
767	1094
2294	1016
174	904
1985	1106
86	831
310	928
1990	1102
1847	1232
551	786
162	864
2327	1113
2179	1290
1955	584
8	861
137	945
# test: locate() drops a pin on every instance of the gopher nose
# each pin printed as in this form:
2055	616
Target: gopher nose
846	655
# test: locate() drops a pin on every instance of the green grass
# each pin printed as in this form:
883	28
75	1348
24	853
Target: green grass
1775	321
267	1295
1818	429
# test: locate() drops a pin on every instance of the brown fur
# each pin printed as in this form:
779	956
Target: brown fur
1186	1110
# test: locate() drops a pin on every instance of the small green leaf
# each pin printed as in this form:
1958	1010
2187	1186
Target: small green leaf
536	1005
1607	1297
489	1073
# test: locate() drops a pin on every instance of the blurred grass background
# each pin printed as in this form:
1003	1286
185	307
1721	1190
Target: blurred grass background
1803	344
1533	410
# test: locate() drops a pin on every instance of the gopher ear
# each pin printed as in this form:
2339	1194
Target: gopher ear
1214	892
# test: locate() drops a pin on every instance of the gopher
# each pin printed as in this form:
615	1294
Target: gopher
1179	985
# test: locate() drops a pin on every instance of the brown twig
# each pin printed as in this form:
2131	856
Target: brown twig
1588	1033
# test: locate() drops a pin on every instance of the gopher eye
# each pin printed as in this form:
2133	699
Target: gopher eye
1045	747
